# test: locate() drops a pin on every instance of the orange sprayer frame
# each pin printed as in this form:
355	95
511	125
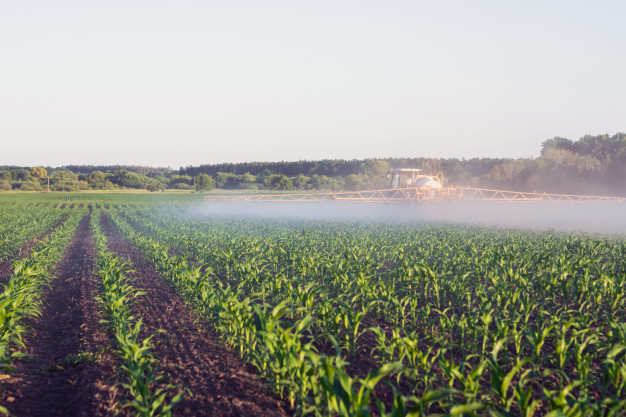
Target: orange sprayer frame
414	195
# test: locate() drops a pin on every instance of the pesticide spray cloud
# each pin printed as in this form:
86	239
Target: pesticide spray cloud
607	218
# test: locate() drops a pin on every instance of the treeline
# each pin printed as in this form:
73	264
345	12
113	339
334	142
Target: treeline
42	179
594	165
590	165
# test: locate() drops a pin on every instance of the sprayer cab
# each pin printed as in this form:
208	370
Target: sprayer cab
410	177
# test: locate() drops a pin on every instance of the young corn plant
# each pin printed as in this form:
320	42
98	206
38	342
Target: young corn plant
350	322
351	397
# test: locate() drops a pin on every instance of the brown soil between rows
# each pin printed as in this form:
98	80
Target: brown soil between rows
68	325
6	266
191	353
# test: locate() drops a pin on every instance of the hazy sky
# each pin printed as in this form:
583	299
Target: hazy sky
176	83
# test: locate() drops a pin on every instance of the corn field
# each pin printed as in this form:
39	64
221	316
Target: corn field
347	318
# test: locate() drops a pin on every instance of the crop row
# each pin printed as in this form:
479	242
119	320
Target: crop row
21	295
139	366
20	224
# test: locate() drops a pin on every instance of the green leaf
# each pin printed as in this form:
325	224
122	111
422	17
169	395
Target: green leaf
457	410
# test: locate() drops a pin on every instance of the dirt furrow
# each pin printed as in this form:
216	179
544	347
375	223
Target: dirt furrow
191	354
72	368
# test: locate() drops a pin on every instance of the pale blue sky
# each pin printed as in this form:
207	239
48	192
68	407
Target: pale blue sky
176	83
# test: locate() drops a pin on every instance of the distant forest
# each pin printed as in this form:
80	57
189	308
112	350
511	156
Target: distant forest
589	165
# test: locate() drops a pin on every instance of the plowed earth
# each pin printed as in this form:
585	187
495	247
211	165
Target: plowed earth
191	354
72	370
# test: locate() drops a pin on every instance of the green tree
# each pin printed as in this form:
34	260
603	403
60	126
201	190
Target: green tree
352	182
322	182
21	175
98	180
64	176
65	180
180	179
301	182
38	172
129	179
375	172
155	186
278	182
247	181
31	186
204	182
557	143
225	180
263	175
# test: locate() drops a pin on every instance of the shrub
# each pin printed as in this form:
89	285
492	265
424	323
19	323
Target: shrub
31	186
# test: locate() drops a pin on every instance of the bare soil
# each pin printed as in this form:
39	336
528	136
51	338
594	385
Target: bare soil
191	353
72	370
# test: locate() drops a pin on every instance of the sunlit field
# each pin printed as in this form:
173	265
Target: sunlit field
326	316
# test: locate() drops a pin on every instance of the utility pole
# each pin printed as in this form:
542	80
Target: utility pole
48	183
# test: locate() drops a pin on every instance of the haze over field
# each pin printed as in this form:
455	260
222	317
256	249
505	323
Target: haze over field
187	83
588	217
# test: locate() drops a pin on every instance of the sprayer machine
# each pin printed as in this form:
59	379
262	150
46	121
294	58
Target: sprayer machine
410	185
